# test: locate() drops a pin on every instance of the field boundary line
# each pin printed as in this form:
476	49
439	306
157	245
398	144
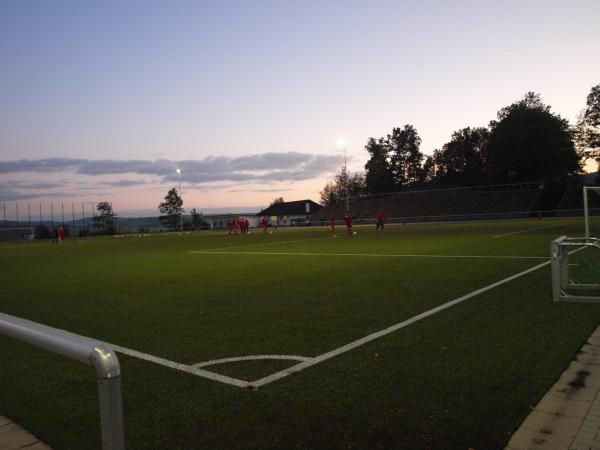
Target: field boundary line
371	337
213	362
530	229
264	243
178	366
371	255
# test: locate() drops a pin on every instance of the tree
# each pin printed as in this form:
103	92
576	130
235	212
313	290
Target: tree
105	220
428	170
529	143
463	159
588	126
196	218
405	156
171	209
378	178
277	201
335	192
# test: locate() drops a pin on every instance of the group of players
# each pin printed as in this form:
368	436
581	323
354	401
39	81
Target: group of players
348	222
241	224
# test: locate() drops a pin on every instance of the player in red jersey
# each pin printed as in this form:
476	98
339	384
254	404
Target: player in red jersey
246	226
332	222
264	223
348	221
380	220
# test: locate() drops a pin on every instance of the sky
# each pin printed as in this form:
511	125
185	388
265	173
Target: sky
105	100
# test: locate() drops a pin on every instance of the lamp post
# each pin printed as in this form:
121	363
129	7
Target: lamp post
342	143
181	212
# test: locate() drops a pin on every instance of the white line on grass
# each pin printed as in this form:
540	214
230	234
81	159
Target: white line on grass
529	229
352	345
372	255
182	367
250	358
264	243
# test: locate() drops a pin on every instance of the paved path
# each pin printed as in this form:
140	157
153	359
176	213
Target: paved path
568	416
13	437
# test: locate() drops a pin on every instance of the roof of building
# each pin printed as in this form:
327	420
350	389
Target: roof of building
297	208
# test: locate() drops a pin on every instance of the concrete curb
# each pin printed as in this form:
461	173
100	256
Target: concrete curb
568	416
13	437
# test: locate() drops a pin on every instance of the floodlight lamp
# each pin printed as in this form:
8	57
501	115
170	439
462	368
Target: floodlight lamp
341	142
178	171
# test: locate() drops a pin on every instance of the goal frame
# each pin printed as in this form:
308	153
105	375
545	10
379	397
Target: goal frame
5	231
586	207
562	284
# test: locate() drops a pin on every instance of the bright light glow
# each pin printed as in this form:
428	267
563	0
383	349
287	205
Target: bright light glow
179	171
341	142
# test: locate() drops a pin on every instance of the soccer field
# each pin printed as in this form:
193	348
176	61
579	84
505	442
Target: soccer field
435	336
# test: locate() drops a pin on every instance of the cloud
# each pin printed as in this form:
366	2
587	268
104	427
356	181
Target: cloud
267	167
274	190
8	193
123	183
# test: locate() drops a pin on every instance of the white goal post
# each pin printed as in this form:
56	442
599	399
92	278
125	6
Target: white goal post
17	234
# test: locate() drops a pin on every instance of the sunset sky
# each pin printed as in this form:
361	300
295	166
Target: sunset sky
105	100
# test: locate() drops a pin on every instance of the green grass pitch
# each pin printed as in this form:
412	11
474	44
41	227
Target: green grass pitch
463	377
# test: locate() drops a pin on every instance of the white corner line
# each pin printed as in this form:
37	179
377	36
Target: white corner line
250	358
529	229
182	367
371	337
369	255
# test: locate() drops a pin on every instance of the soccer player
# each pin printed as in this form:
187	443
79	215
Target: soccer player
332	222
230	226
348	221
61	235
380	220
265	224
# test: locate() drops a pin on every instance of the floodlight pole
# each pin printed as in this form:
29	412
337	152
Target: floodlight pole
181	213
586	212
346	183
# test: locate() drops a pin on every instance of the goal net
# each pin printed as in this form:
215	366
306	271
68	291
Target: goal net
591	210
17	234
576	269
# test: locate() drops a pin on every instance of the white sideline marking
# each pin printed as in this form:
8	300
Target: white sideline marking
183	367
352	345
261	244
196	369
529	229
250	358
372	255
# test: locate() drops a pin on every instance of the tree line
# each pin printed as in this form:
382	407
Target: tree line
526	142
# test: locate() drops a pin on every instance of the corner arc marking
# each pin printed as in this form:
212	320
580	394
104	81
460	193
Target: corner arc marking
250	358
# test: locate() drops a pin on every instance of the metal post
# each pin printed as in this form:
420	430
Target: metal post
17	205
85	350
586	212
346	173
40	213
73	216
52	213
62	210
82	215
555	267
29	214
181	212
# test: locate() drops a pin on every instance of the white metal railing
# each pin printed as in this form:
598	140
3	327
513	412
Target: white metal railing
88	351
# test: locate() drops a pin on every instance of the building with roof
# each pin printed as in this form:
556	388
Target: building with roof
298	212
